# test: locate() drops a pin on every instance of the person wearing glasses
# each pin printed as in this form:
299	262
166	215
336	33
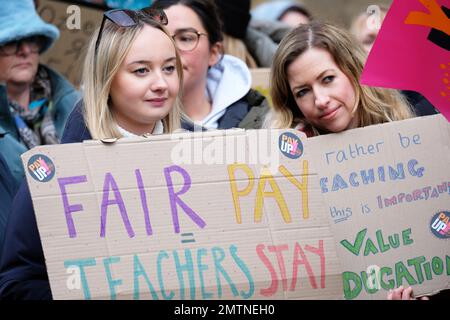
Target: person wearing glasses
217	88
39	100
128	91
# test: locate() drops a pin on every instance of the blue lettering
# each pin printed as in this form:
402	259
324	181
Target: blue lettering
112	283
187	267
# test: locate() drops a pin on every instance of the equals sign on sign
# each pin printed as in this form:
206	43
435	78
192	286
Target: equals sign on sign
187	237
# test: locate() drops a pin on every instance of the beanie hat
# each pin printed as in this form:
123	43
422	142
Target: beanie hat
235	16
19	20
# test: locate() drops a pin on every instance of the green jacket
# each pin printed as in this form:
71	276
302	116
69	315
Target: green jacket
64	98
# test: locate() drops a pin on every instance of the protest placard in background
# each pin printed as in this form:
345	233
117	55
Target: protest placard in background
258	214
67	54
412	51
261	81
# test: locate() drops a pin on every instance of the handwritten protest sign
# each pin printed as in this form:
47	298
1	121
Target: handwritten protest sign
146	219
388	195
258	214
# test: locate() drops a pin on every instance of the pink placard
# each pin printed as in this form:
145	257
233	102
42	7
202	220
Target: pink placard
412	51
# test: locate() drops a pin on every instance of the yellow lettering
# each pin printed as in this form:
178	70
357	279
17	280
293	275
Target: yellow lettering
275	193
303	186
234	189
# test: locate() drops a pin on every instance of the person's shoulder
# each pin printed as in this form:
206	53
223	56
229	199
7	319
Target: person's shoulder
6	177
76	129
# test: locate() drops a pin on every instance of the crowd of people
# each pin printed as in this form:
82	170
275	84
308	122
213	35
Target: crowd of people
195	75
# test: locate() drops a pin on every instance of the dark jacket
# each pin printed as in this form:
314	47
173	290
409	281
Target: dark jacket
421	106
8	188
23	274
247	113
64	98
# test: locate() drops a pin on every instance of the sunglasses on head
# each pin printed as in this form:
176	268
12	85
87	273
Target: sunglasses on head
129	18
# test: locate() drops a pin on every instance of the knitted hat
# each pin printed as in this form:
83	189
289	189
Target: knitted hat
235	16
274	10
19	19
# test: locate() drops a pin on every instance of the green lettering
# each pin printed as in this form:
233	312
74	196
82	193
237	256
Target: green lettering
394	241
383	247
356	247
437	265
371	287
401	271
427	271
416	262
447	262
406	234
370	247
386	271
348	277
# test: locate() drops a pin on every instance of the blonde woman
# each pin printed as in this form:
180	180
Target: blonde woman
128	91
316	89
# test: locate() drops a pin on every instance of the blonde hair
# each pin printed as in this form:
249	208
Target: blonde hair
236	47
99	71
373	105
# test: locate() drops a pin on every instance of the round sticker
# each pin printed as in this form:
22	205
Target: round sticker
290	145
440	225
41	168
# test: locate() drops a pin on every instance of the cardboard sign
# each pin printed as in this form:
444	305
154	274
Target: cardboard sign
387	189
180	217
258	214
261	81
67	54
412	51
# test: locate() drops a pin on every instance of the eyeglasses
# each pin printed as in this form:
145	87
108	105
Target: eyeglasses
129	18
187	39
35	44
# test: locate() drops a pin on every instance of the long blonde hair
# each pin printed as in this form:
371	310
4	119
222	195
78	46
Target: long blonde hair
373	105
100	69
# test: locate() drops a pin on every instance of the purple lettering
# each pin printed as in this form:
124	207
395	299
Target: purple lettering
140	184
69	209
107	185
175	198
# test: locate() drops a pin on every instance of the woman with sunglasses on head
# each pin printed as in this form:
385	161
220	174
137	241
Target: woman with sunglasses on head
39	100
217	91
128	91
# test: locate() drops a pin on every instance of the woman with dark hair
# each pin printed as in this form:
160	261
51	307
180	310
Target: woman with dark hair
217	87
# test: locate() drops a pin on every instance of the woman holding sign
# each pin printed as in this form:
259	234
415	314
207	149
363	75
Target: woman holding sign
315	84
128	91
316	89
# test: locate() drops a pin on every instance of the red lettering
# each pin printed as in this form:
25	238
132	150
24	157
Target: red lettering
268	292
